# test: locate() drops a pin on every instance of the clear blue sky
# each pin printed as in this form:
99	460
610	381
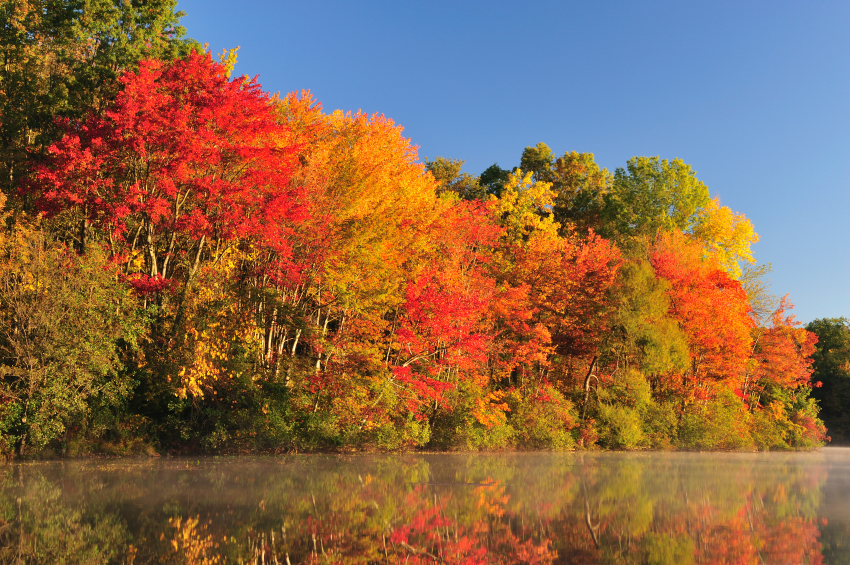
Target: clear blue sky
754	95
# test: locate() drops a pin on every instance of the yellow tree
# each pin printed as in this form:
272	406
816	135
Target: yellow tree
726	235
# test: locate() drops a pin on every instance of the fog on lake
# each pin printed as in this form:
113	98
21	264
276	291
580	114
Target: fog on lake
432	508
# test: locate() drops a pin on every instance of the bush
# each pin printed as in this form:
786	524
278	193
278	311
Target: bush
620	427
629	418
542	420
720	423
65	321
660	424
472	418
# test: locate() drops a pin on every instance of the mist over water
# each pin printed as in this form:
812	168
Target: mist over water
432	508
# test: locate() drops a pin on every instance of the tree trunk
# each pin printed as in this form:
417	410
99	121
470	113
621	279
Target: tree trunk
587	386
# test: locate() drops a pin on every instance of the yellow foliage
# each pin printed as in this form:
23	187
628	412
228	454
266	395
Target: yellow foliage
492	498
191	543
726	235
525	207
777	410
212	340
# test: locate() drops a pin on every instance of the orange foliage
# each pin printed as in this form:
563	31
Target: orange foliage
783	351
711	308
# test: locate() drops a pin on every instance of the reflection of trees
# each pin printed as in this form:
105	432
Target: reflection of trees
541	509
733	510
38	525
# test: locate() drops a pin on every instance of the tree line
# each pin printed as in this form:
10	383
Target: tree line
192	263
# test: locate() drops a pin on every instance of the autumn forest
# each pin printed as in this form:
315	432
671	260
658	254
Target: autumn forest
191	264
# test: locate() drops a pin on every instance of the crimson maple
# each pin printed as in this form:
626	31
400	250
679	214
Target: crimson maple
182	165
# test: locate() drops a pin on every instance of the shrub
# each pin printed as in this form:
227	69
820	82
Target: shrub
719	423
542	420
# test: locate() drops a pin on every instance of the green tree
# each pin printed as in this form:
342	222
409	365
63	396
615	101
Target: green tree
63	320
538	161
447	172
644	335
61	58
832	368
493	179
578	182
580	187
652	195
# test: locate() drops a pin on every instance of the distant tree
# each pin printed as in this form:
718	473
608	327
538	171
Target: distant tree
493	179
580	187
832	369
538	161
651	196
447	172
63	58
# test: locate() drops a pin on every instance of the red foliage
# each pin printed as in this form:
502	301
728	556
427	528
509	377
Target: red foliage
554	299
184	155
443	326
144	285
711	308
782	351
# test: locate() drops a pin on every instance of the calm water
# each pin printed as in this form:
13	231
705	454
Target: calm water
507	508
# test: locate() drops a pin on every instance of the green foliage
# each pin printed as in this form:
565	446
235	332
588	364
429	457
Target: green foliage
531	420
543	424
645	333
51	532
455	426
800	416
580	187
391	436
652	195
660	424
538	161
629	388
832	369
667	549
447	172
65	322
620	427
493	179
767	432
720	423
786	419
630	418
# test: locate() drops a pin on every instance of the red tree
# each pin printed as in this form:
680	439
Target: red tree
782	352
444	328
713	311
185	163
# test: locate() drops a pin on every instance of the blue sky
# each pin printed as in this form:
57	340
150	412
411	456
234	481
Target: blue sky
754	95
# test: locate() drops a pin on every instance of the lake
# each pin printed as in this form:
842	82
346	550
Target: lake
432	508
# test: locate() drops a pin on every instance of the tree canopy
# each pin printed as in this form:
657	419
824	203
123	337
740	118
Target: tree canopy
233	270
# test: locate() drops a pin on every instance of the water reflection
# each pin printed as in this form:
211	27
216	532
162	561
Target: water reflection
512	508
